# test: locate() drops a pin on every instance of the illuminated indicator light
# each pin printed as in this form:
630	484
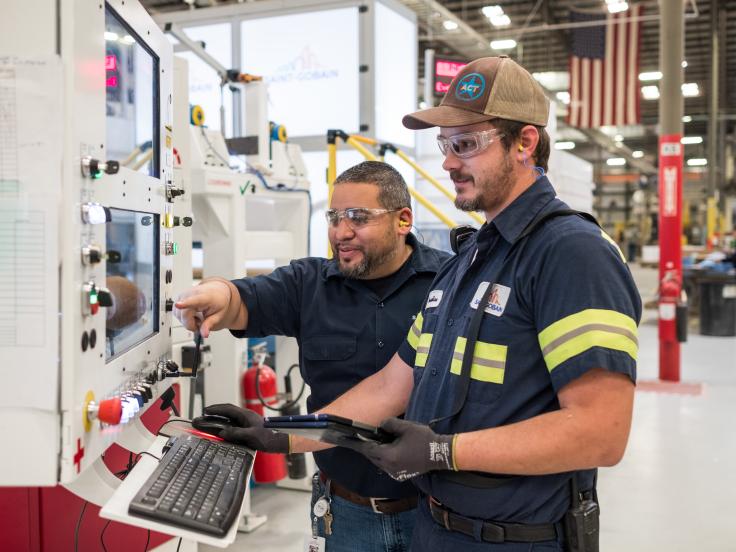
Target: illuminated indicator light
111	82
111	63
169	220
175	248
92	297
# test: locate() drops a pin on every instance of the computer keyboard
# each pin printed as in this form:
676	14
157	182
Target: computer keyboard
199	484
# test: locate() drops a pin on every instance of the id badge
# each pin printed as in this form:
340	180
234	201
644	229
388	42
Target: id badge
314	544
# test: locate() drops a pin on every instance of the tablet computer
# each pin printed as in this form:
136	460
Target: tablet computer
328	428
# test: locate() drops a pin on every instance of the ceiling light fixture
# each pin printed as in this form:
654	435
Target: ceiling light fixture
687	119
492	11
616	162
650	92
638	154
110	35
564	145
690	89
691	140
616	7
506	44
650	76
697	162
500	20
449	25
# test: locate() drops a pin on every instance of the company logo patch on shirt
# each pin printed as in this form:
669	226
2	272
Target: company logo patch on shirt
435	297
496	302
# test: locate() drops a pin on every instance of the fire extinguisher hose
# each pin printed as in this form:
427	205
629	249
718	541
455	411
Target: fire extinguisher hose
285	406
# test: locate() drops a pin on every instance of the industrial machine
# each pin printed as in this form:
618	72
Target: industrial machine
89	208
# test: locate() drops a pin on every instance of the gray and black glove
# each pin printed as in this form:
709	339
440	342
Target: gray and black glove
248	429
416	450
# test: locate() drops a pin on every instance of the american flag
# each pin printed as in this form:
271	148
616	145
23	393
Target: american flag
604	69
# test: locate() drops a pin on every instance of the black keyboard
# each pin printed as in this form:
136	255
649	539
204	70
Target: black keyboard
199	484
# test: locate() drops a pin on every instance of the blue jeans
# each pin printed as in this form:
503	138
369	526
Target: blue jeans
430	536
358	528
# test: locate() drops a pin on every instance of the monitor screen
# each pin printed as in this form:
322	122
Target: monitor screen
132	279
131	85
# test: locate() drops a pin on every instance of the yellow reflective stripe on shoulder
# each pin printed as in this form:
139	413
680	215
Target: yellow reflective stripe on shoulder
425	342
583	330
610	240
415	331
489	361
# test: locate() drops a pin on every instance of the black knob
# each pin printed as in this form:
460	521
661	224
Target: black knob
172	366
113	257
169	305
104	297
187	221
112	167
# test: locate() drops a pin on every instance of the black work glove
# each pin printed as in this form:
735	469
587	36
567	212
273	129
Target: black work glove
248	429
415	450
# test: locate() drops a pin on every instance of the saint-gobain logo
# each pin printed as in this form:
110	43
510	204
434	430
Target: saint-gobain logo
470	87
497	300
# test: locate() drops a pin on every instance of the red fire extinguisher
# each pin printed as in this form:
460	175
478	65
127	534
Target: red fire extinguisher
259	387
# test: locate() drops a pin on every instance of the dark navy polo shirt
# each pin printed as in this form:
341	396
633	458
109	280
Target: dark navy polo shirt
563	304
345	333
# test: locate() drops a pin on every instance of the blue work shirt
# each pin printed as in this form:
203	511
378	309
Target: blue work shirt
563	304
346	333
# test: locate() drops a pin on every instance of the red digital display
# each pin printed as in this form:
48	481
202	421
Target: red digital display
111	63
447	68
112	82
444	71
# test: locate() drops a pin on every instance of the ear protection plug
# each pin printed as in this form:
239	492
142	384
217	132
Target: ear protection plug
404	223
521	148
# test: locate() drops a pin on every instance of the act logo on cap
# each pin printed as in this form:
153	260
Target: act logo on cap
470	87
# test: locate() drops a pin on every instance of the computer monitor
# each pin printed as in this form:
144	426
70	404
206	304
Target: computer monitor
132	96
133	279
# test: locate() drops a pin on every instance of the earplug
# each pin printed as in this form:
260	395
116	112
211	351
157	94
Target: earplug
404	223
521	148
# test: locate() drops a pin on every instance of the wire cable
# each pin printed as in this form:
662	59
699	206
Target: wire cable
102	535
79	523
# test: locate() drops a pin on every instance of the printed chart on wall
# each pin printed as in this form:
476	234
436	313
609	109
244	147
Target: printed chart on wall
30	187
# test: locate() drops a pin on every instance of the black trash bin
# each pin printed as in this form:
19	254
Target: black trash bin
718	304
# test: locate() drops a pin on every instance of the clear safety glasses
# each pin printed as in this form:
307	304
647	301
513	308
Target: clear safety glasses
468	144
357	217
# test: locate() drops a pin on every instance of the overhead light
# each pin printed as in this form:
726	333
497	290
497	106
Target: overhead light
422	105
564	97
492	11
697	162
690	89
650	92
687	119
691	140
615	162
500	20
618	138
684	64
127	39
110	35
616	7
506	44
449	25
638	154
650	76
564	145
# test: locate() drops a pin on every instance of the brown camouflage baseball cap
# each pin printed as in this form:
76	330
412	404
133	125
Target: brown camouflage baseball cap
486	88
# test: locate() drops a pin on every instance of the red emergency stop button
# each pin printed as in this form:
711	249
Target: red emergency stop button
110	411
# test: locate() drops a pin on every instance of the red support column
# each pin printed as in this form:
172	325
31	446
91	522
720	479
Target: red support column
670	253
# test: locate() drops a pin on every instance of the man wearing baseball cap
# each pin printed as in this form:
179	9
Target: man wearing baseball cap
517	377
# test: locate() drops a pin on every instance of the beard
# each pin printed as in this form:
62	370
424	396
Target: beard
373	257
492	189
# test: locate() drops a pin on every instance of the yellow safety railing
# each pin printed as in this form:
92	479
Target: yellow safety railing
428	177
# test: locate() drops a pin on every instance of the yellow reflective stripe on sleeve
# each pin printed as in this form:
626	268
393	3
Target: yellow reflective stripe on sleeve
425	342
583	330
610	240
415	331
489	361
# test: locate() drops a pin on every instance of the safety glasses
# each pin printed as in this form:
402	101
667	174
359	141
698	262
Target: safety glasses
468	144
357	217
